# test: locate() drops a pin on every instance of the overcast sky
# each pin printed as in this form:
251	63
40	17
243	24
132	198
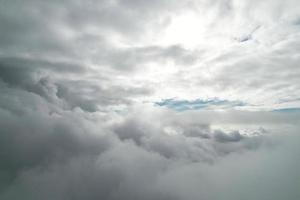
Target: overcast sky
161	99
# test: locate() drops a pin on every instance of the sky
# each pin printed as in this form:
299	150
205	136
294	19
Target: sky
161	99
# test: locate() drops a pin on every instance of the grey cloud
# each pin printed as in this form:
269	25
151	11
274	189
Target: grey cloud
61	30
265	65
53	81
51	153
270	70
34	140
92	96
250	176
188	141
198	130
269	75
231	137
56	28
131	130
135	58
74	155
64	79
105	177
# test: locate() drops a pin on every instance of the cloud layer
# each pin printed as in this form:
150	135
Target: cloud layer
90	94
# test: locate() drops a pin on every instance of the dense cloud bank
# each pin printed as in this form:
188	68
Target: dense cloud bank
50	152
80	82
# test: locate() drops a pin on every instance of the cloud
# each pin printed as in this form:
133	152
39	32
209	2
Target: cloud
79	81
137	42
76	154
51	152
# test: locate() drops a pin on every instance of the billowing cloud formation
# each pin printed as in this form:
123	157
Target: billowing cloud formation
80	81
51	152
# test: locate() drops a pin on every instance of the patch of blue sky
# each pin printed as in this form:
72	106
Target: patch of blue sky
198	104
287	110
